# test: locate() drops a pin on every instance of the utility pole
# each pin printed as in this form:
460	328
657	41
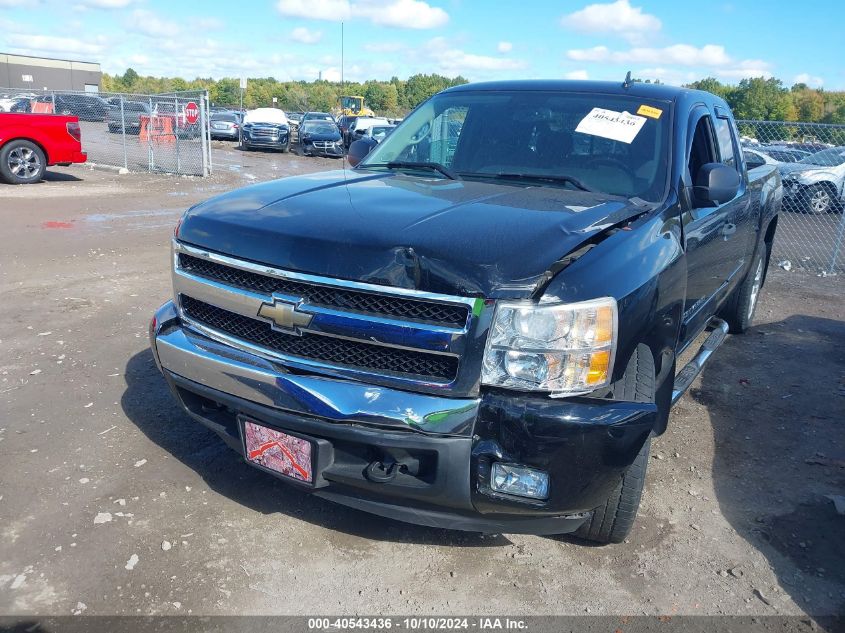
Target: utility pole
341	58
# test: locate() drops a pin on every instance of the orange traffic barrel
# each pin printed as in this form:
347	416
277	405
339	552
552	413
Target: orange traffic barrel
42	107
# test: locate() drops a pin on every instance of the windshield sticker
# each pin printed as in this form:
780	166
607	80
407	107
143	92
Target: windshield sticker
647	110
617	126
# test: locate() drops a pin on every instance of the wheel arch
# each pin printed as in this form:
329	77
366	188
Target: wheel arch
34	141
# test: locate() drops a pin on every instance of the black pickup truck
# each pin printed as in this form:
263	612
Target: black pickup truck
479	326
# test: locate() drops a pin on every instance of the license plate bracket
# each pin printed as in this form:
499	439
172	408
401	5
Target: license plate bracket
295	458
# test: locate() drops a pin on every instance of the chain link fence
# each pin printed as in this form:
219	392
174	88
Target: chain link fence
141	132
811	160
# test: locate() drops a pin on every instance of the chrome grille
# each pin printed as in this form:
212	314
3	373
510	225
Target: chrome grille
384	335
343	299
338	351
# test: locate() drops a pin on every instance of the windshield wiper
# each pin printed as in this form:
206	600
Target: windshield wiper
394	164
572	180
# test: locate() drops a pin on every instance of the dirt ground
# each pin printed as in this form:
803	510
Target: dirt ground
112	501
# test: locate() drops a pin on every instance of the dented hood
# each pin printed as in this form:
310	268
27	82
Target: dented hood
458	237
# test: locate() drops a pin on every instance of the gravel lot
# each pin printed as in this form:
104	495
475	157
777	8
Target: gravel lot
113	502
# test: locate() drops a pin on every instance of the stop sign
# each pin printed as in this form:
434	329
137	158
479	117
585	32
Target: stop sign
192	112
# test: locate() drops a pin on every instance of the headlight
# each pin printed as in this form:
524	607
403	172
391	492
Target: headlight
565	349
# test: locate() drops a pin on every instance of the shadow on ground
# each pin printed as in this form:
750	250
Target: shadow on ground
148	403
775	399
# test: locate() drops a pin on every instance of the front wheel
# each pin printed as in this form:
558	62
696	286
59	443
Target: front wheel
22	162
612	521
818	200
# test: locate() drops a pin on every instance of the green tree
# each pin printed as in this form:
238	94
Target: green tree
762	99
130	77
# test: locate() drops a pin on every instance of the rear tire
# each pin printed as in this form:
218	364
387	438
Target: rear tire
612	521
739	312
22	162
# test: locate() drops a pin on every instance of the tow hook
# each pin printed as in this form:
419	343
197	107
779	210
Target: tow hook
381	473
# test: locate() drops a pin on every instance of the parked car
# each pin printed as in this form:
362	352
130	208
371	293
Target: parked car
265	127
320	138
815	184
755	158
86	107
29	143
343	122
131	111
378	132
20	105
225	126
481	326
785	153
317	116
359	127
294	118
12	100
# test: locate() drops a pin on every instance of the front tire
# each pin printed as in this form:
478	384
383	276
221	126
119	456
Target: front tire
612	521
818	200
22	162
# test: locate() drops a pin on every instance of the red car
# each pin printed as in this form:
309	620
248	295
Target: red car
31	142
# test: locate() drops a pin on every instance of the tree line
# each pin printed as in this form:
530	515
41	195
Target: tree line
753	98
393	97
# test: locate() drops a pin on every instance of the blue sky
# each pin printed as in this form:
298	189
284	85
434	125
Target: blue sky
674	41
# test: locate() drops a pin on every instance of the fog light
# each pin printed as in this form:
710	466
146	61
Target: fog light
519	480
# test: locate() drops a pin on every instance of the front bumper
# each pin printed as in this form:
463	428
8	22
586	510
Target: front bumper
278	142
585	445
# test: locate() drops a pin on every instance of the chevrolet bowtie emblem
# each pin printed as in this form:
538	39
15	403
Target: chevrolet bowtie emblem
285	316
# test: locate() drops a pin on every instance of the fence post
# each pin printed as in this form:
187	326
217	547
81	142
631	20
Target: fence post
176	131
123	126
837	245
206	150
151	160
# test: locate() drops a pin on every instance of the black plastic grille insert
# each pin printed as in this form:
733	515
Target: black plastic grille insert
337	298
326	349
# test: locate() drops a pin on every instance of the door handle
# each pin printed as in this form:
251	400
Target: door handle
728	230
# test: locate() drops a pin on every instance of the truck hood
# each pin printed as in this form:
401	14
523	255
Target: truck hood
466	238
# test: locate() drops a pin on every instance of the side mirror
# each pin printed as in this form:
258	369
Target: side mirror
715	184
358	151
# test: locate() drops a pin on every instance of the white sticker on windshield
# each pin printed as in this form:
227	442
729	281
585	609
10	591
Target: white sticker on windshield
617	126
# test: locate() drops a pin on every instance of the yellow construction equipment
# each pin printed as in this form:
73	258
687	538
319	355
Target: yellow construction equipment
354	105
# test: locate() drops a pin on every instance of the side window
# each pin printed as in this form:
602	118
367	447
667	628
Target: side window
726	143
753	160
703	149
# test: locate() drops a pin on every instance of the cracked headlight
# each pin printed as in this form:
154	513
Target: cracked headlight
565	349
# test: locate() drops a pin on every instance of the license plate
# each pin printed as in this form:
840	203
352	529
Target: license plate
219	126
278	452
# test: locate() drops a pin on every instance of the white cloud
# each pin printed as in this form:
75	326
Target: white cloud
208	23
305	36
148	23
617	18
453	61
504	47
813	81
577	74
405	14
40	44
335	10
14	3
681	54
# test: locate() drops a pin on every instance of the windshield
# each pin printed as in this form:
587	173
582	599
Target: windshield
597	139
224	117
320	127
828	158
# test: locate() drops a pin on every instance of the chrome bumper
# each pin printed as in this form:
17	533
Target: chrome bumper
191	355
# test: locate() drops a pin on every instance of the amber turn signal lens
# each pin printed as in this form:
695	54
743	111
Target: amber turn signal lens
604	326
599	363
